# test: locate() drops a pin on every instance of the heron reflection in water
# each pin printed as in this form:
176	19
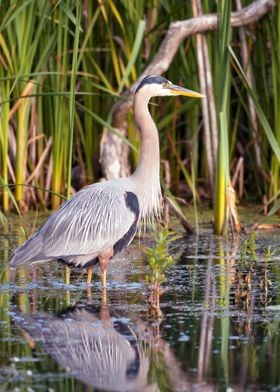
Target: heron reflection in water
98	350
101	220
107	352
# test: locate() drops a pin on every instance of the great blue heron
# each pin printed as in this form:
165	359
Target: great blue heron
101	219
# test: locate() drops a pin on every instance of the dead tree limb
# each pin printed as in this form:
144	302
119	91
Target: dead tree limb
114	153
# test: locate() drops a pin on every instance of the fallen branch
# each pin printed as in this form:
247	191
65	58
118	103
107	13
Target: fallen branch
180	30
114	153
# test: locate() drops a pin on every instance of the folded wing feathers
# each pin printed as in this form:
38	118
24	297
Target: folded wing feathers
92	221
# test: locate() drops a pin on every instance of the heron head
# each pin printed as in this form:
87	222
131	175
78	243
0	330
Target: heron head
160	86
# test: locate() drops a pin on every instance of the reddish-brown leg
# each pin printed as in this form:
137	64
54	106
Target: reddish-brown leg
103	261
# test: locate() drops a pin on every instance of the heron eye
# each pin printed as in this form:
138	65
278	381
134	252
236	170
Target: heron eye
167	84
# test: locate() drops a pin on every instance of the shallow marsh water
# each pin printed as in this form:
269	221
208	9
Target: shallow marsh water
213	334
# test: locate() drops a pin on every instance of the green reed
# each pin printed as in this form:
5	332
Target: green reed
223	90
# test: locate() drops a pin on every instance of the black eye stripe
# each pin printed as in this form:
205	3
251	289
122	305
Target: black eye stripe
150	79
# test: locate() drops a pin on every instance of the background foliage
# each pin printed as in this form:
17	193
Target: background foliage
64	63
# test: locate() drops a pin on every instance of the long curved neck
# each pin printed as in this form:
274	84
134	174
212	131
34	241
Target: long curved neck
149	163
146	175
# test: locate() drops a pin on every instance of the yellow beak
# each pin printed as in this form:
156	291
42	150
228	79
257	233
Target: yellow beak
178	90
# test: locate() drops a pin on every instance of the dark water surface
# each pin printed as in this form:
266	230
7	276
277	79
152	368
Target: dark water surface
220	328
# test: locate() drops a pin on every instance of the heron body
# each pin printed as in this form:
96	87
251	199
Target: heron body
101	220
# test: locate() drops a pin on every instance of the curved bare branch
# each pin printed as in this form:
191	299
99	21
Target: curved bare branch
114	153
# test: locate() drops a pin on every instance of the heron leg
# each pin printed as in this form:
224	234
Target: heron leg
103	261
89	295
103	265
104	296
67	274
89	274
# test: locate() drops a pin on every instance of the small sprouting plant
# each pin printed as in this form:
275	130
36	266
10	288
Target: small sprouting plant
248	253
252	248
268	253
158	257
265	282
159	260
244	270
243	256
250	274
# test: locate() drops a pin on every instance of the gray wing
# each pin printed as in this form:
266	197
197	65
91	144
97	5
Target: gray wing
93	221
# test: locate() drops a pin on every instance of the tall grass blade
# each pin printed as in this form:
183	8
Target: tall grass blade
134	54
263	120
222	175
5	188
72	95
222	165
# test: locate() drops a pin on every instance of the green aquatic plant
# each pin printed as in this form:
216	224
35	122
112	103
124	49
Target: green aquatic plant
252	277
265	282
159	260
244	270
248	253
252	248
